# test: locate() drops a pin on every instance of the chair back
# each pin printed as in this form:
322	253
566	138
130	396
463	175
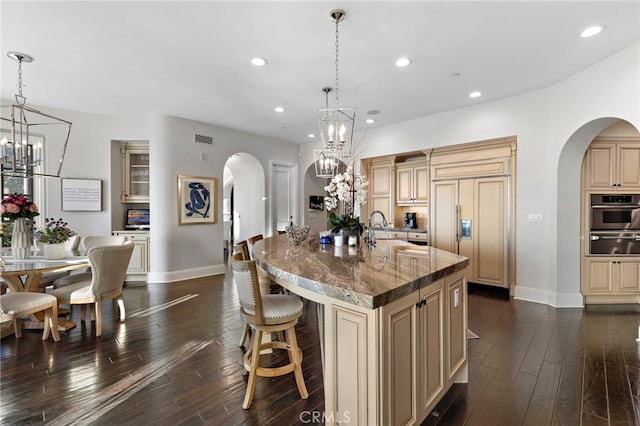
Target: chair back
72	243
252	241
101	240
245	277
243	247
109	266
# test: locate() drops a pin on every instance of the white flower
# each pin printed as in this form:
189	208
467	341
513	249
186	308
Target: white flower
346	190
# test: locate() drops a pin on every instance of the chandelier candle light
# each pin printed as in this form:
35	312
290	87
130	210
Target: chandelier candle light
336	124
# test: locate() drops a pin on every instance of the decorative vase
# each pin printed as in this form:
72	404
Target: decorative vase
54	251
20	240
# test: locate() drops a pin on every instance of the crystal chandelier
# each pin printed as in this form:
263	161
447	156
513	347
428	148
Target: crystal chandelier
336	124
20	156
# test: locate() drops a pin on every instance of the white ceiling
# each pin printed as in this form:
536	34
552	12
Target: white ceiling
192	59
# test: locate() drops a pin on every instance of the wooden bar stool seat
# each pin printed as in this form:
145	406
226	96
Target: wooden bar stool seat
273	313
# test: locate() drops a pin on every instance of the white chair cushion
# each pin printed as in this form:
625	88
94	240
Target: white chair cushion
280	308
23	301
75	291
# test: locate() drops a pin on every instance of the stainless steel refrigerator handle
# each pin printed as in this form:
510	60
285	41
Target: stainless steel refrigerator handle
458	223
597	237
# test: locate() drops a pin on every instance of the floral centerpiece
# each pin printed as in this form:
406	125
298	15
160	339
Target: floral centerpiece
55	231
17	206
19	209
345	192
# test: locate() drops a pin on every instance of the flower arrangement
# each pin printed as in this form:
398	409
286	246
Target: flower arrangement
54	232
16	206
346	191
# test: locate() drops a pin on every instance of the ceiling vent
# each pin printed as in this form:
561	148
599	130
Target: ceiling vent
203	139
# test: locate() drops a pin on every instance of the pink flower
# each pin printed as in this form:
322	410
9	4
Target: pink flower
12	208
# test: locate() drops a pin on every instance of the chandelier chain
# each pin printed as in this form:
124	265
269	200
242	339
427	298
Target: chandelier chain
337	61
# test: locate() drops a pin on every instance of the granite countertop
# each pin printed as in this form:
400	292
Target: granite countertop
365	277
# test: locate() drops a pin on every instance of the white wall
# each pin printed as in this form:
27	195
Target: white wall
177	252
553	127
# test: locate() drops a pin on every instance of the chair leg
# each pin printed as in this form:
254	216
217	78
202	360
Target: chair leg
98	315
121	308
83	312
296	354
47	324
17	327
256	341
54	323
245	334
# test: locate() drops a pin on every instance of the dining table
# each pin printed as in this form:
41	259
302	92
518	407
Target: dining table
25	275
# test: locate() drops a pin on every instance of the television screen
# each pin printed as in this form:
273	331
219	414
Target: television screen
137	219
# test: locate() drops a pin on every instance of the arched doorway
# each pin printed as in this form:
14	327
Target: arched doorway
244	198
568	208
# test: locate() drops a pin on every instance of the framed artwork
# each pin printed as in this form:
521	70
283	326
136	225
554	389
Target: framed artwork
84	195
197	199
316	202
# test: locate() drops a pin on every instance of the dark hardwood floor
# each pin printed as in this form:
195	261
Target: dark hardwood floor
176	360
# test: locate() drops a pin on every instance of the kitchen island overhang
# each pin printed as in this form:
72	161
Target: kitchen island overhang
393	322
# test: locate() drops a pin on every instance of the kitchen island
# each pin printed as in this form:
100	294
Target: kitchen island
392	320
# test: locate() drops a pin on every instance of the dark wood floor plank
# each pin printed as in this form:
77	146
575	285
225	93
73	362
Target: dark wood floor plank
530	365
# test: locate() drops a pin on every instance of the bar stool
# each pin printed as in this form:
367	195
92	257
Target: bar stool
272	313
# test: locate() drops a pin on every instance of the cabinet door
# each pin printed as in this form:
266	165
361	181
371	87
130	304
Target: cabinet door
628	275
138	262
628	165
400	361
404	185
456	324
136	175
431	346
599	276
602	157
421	184
444	223
489	231
381	179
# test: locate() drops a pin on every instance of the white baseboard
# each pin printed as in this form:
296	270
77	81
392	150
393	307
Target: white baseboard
186	274
557	300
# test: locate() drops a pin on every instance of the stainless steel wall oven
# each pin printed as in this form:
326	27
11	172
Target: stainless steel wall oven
615	224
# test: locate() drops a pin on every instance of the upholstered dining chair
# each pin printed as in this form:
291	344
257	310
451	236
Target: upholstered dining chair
87	243
271	313
14	306
108	270
70	248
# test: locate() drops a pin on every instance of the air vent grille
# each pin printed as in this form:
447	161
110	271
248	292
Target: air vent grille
203	139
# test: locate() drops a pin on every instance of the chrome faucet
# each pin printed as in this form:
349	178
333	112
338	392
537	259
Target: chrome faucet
371	234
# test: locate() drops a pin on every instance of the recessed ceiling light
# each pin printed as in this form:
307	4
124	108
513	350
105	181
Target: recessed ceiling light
370	121
278	109
591	31
403	62
311	136
475	94
259	62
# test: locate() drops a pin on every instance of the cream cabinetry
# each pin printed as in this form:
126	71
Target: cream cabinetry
139	263
612	276
135	172
412	183
425	347
613	164
382	187
470	217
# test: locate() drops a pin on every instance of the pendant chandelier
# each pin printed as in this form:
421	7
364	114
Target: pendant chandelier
336	124
22	152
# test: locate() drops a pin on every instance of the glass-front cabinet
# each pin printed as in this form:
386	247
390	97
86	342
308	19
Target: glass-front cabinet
135	179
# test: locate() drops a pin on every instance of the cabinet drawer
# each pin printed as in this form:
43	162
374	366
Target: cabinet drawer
422	236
